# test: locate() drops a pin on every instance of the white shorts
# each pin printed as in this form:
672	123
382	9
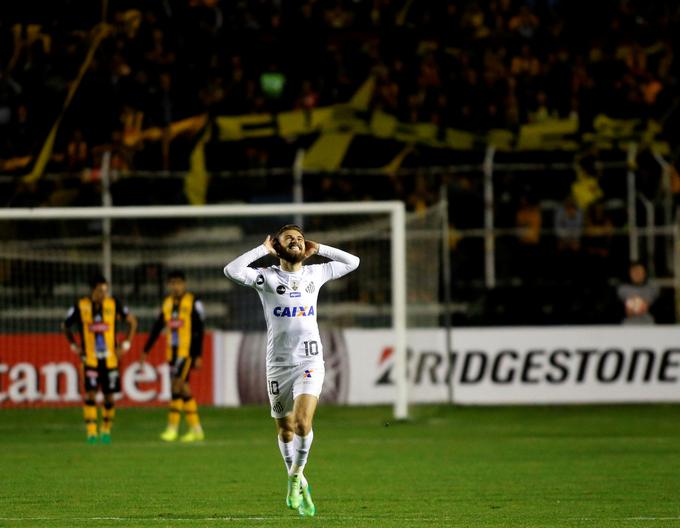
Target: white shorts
284	384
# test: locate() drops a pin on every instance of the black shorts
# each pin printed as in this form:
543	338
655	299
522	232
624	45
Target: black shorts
180	369
101	377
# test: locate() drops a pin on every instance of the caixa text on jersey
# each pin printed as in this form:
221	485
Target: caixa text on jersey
294	311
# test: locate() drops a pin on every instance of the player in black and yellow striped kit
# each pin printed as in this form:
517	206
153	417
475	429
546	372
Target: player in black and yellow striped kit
96	318
182	317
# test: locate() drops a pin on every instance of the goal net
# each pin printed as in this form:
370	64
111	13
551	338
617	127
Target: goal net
48	257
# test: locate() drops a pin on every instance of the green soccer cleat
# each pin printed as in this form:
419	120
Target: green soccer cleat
193	436
106	438
294	497
92	439
169	435
288	495
307	508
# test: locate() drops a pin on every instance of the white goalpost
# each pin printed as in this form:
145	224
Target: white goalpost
392	213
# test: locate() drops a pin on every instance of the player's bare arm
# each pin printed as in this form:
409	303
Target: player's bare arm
124	346
73	344
156	330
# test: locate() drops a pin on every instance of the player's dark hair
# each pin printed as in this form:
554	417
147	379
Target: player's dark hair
177	274
96	280
287	227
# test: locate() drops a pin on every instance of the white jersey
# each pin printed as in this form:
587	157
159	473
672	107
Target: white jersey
289	300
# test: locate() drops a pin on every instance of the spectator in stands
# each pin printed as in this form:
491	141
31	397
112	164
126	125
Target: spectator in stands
569	226
386	94
20	134
529	221
421	197
638	296
309	97
9	95
540	112
338	16
158	54
77	152
599	231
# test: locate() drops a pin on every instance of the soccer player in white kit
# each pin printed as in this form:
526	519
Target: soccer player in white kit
294	364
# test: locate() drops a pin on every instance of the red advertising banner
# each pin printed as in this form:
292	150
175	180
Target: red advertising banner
39	370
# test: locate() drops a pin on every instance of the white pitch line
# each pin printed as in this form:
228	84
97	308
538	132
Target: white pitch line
624	519
138	519
351	518
231	519
653	518
167	445
279	518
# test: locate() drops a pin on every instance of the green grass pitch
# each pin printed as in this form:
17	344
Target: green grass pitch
584	466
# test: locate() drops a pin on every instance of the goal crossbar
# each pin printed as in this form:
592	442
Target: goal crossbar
203	211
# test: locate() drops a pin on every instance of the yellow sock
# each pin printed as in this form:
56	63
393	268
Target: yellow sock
174	413
191	414
107	419
90	415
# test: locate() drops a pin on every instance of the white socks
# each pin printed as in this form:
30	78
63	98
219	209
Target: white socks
287	454
301	447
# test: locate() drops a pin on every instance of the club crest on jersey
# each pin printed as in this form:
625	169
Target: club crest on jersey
310	288
294	311
98	327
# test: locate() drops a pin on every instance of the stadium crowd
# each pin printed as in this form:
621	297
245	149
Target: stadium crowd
467	65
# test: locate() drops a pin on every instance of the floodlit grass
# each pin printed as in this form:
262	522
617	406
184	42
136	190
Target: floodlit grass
449	466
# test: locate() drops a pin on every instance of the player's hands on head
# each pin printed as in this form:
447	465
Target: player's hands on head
311	248
269	244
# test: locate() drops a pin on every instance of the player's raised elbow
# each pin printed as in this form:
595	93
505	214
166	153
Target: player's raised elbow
355	262
234	272
230	271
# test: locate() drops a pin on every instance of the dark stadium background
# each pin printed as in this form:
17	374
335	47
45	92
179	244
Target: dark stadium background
474	67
